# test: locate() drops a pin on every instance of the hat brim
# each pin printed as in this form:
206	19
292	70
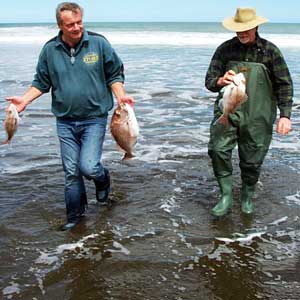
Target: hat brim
232	25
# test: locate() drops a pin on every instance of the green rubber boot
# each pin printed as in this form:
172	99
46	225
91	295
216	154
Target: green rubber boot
247	193
222	207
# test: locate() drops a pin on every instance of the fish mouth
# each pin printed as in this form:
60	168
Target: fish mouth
123	105
236	82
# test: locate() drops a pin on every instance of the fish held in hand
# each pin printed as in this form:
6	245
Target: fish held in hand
11	122
234	95
124	128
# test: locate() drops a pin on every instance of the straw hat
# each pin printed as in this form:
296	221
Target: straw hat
244	19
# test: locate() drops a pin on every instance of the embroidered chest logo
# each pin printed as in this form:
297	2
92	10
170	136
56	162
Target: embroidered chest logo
90	58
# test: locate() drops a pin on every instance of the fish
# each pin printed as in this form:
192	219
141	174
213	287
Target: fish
234	95
124	128
11	122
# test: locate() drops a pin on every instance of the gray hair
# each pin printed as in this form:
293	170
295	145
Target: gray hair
71	6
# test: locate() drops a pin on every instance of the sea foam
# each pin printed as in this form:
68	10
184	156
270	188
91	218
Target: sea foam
40	35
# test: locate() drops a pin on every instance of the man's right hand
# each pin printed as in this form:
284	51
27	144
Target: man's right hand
226	79
27	98
18	102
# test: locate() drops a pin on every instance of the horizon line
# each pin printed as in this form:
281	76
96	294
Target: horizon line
53	22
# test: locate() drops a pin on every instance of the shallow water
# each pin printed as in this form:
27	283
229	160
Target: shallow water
158	240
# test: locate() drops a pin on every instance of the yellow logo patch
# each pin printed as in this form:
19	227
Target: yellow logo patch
91	58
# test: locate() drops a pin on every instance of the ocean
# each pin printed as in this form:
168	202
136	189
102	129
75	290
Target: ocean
158	240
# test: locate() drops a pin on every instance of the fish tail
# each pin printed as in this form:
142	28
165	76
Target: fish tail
128	156
223	120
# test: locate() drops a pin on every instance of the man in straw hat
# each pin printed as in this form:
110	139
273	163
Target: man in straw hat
268	86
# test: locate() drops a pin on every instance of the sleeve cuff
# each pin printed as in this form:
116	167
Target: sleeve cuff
285	113
214	87
115	80
37	86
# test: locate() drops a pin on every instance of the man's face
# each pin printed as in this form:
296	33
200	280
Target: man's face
247	37
71	25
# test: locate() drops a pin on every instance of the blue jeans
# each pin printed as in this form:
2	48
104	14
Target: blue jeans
81	144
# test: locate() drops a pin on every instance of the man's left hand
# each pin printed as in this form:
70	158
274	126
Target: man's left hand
284	126
127	99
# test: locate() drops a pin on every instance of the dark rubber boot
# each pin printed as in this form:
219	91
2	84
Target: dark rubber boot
103	188
247	193
223	206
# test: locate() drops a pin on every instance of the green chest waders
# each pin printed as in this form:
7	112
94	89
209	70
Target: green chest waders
250	126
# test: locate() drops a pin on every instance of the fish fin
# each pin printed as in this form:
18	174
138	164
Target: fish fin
223	120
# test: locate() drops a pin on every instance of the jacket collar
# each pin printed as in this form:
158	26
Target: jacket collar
60	42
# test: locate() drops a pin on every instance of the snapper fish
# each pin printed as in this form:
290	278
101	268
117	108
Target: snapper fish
124	128
234	95
11	122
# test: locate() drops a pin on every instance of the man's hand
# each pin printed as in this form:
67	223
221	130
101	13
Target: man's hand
119	92
126	99
27	98
18	102
284	126
226	79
